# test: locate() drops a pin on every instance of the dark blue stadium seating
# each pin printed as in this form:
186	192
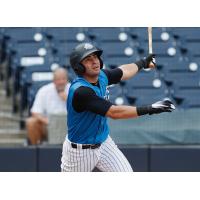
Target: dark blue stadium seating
32	91
157	34
161	48
30	76
120	45
118	49
113	62
108	34
143	80
65	34
187	97
63	48
116	95
145	87
186	33
139	34
184	77
1	47
193	49
22	35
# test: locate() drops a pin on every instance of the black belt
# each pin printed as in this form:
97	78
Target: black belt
86	146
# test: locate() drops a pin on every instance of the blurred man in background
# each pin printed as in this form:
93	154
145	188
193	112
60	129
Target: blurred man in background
50	99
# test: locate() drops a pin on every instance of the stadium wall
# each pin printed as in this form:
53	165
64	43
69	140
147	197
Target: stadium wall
142	158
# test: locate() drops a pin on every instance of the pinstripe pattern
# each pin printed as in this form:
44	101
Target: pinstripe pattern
112	159
107	158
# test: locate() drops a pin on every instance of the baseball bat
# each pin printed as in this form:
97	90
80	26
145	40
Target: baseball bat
150	40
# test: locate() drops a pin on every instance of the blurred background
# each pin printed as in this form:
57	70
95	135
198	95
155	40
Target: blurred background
165	142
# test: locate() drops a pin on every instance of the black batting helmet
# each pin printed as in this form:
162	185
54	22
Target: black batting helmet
79	53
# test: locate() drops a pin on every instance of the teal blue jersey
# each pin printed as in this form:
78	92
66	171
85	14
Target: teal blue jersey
87	127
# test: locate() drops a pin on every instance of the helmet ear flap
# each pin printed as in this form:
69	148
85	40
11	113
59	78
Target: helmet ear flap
101	62
79	69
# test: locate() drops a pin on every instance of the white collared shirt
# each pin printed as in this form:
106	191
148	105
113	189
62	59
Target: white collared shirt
47	101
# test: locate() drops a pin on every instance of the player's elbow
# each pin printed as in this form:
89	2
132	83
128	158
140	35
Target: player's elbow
111	113
114	117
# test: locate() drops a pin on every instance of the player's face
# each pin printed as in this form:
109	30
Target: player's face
92	65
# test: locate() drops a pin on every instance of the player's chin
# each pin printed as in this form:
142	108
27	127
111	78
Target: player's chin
96	71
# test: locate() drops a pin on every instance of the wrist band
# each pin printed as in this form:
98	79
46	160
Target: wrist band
141	64
143	110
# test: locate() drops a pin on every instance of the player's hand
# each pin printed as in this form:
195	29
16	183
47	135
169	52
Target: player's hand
150	61
161	106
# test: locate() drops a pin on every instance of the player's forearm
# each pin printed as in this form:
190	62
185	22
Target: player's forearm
122	112
125	112
129	70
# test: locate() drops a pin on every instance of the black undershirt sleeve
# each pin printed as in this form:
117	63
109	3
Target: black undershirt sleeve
85	99
114	75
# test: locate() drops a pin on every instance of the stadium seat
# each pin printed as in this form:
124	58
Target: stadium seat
181	77
24	56
116	95
150	99
63	48
23	35
113	62
161	49
138	94
144	85
187	33
108	34
139	34
166	62
1	47
187	98
63	61
144	79
192	48
27	49
66	34
117	49
160	34
180	66
28	77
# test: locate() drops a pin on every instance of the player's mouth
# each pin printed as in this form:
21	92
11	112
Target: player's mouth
96	67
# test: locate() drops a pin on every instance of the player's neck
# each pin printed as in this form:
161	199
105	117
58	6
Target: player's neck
91	79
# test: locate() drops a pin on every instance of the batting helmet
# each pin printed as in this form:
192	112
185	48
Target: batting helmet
79	53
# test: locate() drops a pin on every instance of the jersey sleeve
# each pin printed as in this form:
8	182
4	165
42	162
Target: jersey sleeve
114	75
85	99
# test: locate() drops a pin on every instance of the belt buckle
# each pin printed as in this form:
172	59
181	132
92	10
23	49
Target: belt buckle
76	146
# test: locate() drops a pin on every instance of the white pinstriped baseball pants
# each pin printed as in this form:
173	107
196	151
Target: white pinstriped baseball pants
107	158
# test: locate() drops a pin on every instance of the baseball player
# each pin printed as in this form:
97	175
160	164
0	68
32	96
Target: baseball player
88	144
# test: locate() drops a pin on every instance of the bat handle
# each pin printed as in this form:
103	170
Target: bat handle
150	40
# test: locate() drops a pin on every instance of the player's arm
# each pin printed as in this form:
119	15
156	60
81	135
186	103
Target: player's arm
122	112
129	70
125	112
85	99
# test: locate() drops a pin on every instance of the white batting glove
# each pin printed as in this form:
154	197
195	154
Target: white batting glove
161	106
